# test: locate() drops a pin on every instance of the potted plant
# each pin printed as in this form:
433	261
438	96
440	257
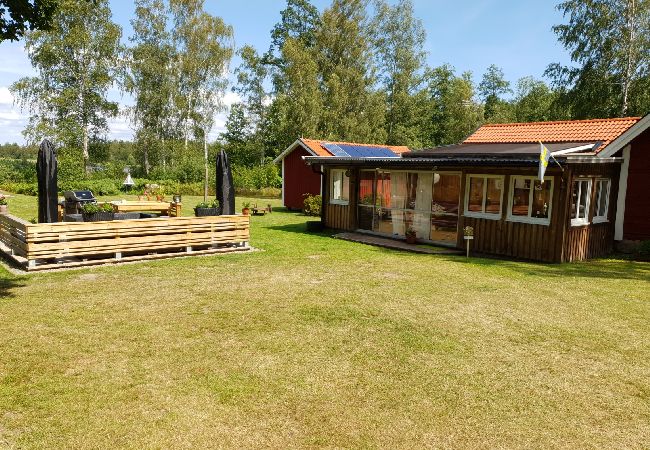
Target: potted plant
207	209
3	204
411	236
160	194
93	212
246	208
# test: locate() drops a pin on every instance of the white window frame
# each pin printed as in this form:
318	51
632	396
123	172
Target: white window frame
528	219
602	218
582	221
483	214
345	179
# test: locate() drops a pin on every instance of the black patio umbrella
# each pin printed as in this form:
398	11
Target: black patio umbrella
225	187
46	172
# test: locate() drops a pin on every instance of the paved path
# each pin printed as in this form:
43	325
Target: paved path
396	244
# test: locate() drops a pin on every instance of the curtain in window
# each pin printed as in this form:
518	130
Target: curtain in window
398	200
422	219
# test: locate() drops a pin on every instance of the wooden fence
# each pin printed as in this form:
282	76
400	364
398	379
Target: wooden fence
70	244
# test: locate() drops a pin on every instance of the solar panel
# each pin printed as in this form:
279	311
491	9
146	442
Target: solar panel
364	151
335	149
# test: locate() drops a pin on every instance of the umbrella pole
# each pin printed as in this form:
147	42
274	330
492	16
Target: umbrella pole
205	156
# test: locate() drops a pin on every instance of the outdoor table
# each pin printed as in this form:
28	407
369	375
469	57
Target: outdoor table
173	209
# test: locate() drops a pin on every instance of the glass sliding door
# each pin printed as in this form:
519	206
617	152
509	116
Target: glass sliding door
444	207
392	202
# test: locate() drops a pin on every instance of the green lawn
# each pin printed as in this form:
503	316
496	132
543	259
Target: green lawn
315	342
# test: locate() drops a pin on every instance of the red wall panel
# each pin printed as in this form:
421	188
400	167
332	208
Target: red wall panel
299	179
637	201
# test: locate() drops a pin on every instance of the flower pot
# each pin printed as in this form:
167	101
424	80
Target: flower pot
202	212
160	198
99	217
246	211
3	209
411	239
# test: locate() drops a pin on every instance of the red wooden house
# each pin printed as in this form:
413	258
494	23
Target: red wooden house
299	179
597	192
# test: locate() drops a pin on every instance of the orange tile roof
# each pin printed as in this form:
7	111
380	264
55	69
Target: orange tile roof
593	130
317	146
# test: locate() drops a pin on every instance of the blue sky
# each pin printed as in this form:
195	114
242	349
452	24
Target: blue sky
469	34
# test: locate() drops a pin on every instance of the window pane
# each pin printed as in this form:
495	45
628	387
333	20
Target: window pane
601	196
383	190
390	221
541	199
446	190
583	208
521	197
336	184
475	200
366	179
412	190
493	200
345	181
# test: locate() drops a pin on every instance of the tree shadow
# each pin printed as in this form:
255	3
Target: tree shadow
8	285
593	268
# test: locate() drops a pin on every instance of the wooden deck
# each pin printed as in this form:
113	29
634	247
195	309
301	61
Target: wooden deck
396	244
73	244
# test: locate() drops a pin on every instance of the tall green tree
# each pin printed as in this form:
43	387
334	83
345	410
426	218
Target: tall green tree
19	16
452	110
301	103
609	40
204	48
298	21
150	80
352	110
492	88
535	101
77	62
398	39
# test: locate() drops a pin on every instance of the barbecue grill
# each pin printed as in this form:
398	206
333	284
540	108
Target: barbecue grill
74	200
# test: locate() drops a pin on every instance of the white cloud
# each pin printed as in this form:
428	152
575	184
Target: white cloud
230	98
5	96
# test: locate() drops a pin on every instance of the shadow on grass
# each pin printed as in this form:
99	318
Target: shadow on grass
595	268
301	228
7	287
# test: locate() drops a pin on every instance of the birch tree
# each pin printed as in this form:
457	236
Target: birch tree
76	62
609	40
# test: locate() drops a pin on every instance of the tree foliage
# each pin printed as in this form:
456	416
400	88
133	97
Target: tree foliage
77	62
609	40
20	16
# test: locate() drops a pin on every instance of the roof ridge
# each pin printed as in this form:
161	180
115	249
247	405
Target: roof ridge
325	141
552	122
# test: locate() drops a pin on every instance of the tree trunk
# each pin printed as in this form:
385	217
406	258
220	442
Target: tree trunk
146	160
86	154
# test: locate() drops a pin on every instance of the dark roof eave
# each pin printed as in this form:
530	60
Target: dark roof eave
451	161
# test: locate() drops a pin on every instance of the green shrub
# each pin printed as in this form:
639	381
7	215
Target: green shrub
312	205
94	208
258	177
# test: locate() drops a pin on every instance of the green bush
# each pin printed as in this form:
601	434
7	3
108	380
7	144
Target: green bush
258	177
312	205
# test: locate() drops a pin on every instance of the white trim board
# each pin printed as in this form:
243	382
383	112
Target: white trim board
622	193
292	147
